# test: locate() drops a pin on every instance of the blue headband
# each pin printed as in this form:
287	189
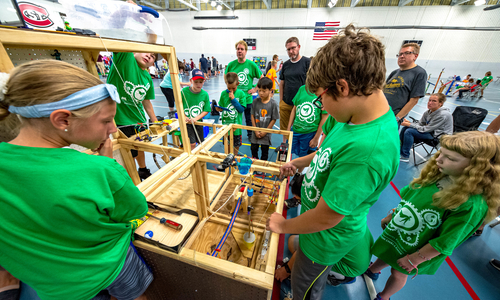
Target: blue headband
74	101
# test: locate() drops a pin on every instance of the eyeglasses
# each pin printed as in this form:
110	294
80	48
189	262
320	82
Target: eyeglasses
318	102
404	53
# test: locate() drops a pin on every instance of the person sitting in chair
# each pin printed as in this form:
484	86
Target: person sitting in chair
435	122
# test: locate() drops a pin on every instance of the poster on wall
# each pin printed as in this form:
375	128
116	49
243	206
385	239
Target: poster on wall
252	44
419	42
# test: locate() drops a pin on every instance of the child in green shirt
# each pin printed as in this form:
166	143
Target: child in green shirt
357	159
456	191
129	73
196	105
235	101
485	81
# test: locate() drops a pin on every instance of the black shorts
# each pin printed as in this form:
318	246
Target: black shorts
130	131
192	136
237	141
169	94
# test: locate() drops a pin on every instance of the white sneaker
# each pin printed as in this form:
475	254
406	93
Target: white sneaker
404	159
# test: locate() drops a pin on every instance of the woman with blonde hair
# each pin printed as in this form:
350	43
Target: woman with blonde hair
456	191
66	215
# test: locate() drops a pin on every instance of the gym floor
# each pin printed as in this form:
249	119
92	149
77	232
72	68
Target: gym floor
466	275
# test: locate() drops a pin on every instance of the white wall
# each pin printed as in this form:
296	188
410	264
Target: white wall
460	52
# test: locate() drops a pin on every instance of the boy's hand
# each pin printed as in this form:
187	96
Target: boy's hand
275	223
231	95
105	149
281	274
188	120
314	142
385	221
262	134
287	169
218	109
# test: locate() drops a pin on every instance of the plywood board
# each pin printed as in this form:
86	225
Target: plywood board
181	194
209	237
166	235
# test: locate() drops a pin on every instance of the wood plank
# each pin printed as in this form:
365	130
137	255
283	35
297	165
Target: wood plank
31	38
211	141
166	235
149	147
6	64
90	58
153	180
274	239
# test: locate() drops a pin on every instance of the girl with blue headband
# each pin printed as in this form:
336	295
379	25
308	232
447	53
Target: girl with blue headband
66	215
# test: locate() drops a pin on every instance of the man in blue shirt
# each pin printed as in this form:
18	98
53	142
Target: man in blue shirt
204	65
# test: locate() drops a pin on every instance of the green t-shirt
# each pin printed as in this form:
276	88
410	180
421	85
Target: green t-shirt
233	117
65	219
194	104
246	71
486	80
307	115
417	222
350	170
135	87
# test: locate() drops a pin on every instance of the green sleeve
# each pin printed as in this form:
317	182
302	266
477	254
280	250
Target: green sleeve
459	225
349	185
129	203
206	100
150	95
120	57
329	124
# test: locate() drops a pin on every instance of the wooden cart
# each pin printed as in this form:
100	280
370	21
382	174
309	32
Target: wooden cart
192	272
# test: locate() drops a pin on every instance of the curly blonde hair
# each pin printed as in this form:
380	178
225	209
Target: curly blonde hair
481	177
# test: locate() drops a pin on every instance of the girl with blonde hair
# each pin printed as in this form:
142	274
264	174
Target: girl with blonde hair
66	215
456	191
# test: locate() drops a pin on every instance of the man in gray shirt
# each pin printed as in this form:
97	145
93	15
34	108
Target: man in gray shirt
405	85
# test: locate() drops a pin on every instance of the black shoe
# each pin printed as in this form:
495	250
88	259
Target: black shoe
292	202
495	263
144	173
336	282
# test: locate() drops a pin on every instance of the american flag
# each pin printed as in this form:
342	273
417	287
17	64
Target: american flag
324	34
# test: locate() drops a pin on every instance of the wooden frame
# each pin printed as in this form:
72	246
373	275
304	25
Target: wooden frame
206	186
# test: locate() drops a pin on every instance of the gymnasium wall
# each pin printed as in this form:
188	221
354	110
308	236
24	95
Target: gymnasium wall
459	51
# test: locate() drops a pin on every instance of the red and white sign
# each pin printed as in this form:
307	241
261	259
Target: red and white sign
35	15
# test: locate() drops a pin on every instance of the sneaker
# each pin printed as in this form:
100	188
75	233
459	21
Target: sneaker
144	173
404	159
495	263
292	202
332	280
373	276
379	298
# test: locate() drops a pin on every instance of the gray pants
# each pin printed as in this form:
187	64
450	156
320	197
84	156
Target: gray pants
308	278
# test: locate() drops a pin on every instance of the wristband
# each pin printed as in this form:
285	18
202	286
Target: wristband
415	267
287	268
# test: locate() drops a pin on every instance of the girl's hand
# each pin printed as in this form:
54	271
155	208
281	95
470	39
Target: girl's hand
275	223
105	149
405	264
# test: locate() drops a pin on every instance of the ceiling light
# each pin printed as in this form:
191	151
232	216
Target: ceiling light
219	7
213	3
330	4
480	2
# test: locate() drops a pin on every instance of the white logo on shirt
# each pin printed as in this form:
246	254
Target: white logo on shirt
230	114
305	112
320	163
243	77
194	110
409	223
136	92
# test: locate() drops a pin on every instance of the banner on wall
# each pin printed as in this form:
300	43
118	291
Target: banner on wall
324	34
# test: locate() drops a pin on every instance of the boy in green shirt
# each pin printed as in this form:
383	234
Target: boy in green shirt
306	122
196	105
485	81
129	73
356	161
235	101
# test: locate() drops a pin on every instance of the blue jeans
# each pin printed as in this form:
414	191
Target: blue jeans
408	136
300	143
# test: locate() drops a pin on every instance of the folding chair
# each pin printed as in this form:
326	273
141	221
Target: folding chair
434	143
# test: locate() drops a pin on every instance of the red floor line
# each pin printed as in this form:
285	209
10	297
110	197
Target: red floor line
454	268
281	247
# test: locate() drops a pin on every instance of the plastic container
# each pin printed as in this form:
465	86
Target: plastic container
117	19
244	165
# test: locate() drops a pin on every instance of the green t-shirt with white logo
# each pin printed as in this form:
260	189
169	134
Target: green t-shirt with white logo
232	117
417	221
135	87
307	115
246	71
350	170
68	223
194	104
486	80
